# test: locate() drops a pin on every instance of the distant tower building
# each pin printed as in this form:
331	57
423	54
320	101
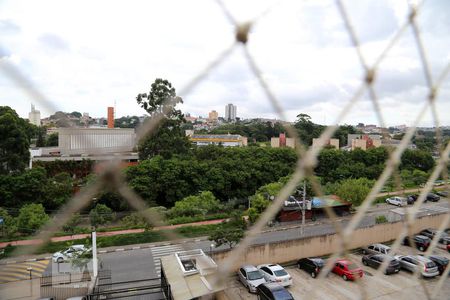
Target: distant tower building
230	112
110	117
34	117
213	116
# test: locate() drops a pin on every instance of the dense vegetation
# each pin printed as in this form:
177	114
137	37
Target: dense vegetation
226	172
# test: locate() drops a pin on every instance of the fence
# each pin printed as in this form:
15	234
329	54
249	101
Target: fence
63	286
307	158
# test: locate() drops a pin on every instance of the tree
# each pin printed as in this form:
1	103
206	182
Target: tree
417	159
100	215
70	226
76	114
136	220
169	137
14	142
52	140
306	129
31	217
354	190
40	141
59	190
9	226
198	205
229	232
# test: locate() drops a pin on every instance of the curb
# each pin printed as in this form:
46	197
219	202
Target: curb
122	249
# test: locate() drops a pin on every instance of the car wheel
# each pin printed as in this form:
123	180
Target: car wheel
344	277
364	262
299	266
248	288
59	260
364	252
313	274
421	248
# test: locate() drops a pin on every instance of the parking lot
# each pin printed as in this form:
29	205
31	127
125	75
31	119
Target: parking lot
397	286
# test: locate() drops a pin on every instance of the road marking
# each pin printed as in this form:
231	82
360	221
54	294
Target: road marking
19	271
158	252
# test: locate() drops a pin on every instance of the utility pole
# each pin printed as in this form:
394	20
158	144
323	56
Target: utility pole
303	206
94	254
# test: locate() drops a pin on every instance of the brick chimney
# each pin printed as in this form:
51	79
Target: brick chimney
110	117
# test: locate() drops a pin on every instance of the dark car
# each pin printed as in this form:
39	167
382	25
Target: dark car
312	266
433	197
412	198
273	291
442	194
444	238
422	242
375	261
440	261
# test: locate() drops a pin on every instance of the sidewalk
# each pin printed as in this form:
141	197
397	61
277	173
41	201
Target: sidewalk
107	233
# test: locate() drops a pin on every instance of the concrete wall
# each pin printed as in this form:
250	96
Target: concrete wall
287	251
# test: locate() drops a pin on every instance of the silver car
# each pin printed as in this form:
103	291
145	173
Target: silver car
376	249
424	265
250	277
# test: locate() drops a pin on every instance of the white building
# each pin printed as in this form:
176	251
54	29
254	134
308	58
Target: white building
92	140
34	117
230	112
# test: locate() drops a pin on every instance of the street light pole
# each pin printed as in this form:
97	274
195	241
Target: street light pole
303	206
30	269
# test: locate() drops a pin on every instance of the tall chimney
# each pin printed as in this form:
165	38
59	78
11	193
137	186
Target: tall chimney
110	117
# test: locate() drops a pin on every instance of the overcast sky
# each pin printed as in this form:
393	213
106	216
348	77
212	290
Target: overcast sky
86	55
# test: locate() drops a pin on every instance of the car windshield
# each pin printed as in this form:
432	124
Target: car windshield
280	272
282	295
254	275
319	262
430	265
353	267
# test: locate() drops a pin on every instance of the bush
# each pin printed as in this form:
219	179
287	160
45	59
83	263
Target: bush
381	219
136	220
31	218
198	205
100	215
186	219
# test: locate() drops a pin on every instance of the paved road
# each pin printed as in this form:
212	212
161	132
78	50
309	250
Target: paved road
144	263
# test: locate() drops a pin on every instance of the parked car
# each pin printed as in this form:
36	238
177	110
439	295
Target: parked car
347	270
399	201
276	273
424	265
62	256
422	242
250	277
312	266
433	197
442	194
431	233
410	199
273	291
376	249
440	261
375	261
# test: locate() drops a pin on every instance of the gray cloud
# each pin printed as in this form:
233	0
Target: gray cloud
54	42
9	27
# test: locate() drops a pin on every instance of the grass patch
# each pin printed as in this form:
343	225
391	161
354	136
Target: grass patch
121	240
187	219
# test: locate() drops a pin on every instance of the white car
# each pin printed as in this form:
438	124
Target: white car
399	201
275	273
250	277
62	256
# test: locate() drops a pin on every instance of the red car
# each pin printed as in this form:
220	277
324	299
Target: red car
347	270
